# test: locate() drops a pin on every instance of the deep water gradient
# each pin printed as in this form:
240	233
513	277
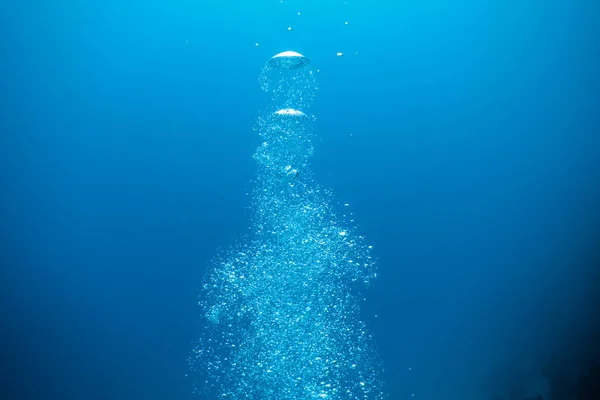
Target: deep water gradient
464	136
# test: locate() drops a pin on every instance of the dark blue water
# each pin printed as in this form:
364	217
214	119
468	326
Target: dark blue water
465	134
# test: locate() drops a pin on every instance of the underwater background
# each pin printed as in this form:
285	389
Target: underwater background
464	134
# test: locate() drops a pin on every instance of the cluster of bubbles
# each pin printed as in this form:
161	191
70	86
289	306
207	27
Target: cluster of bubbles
291	84
281	307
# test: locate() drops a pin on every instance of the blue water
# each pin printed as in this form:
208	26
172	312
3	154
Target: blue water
463	134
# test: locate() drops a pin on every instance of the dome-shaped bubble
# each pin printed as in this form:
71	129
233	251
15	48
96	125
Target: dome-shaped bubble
290	112
288	60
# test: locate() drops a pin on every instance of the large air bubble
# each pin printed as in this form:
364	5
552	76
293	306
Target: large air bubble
290	113
288	60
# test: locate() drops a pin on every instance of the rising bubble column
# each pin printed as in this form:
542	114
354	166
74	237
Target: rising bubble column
281	306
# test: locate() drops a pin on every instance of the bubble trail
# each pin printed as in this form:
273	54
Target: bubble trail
281	307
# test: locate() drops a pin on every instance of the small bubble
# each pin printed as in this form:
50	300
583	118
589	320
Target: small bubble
289	28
